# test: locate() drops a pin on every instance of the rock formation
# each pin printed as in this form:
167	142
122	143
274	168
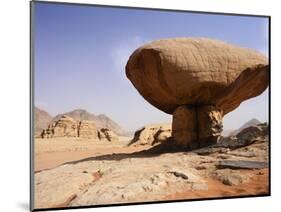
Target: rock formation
198	81
101	121
107	134
68	127
65	127
87	129
151	134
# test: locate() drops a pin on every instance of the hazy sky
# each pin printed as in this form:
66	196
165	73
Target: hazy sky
81	52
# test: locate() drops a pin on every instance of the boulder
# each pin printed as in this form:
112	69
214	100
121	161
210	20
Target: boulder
151	134
203	79
241	164
231	177
247	136
250	133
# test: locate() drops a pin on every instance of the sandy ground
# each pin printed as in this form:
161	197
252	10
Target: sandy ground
50	153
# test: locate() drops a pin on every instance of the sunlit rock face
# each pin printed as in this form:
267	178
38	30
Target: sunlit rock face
198	81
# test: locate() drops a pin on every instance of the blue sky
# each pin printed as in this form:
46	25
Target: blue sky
81	52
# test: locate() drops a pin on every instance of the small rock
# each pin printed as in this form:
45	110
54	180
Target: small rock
230	177
223	156
241	164
210	150
179	174
200	167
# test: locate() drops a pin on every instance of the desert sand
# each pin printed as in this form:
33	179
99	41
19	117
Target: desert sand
50	153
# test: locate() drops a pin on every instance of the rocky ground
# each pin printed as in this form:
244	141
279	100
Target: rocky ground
235	166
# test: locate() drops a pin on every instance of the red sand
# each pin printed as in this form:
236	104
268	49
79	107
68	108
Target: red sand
259	184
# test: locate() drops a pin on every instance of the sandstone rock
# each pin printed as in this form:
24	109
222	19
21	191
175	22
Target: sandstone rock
107	134
230	177
87	129
233	164
133	179
151	134
65	127
209	124
208	78
101	121
184	125
163	134
188	71
68	127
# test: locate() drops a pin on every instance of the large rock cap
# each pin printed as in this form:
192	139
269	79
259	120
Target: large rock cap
195	71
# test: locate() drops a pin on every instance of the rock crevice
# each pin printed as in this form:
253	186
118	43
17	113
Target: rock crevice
196	123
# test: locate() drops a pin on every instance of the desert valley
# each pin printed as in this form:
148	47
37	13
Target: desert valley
83	159
109	166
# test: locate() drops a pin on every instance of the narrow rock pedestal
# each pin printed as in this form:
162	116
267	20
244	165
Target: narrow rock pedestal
196	126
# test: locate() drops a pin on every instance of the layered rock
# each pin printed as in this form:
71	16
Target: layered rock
202	79
101	121
87	129
65	127
151	134
68	127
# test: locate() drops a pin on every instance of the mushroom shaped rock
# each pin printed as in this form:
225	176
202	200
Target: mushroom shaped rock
198	81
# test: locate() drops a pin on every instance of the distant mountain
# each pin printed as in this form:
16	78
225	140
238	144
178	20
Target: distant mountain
102	121
78	114
250	123
42	119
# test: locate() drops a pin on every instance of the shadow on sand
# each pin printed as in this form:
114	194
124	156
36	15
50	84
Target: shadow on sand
166	147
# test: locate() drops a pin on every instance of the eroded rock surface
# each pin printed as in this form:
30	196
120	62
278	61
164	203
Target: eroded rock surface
151	134
64	127
68	127
188	71
87	129
208	77
143	176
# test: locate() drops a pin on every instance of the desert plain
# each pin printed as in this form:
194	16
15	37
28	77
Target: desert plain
77	172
